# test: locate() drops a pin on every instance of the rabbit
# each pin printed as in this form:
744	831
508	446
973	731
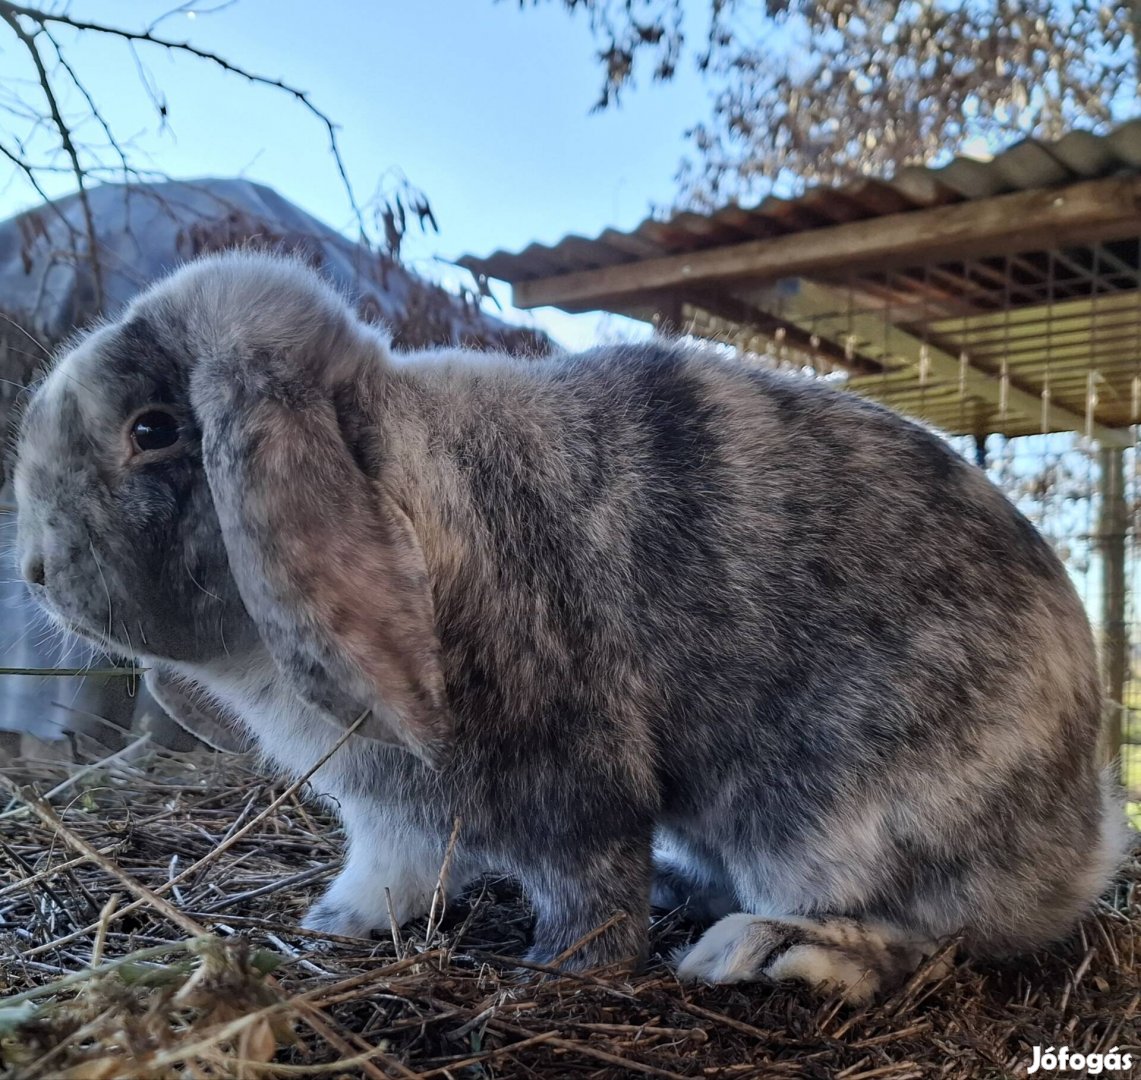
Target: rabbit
649	623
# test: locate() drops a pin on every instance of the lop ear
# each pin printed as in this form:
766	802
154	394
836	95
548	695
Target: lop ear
327	564
192	711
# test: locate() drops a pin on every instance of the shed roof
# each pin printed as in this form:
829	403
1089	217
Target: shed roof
1000	295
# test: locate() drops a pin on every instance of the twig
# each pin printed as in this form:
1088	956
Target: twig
592	1052
295	955
1076	978
728	1021
127	171
29	170
699	1034
10	15
393	923
586	939
101	934
487	1055
439	893
50	872
17	859
303	878
320	1024
548	969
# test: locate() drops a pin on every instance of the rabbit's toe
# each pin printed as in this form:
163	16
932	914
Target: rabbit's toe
356	906
331	916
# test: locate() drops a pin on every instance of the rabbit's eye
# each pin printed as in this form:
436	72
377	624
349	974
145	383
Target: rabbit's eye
155	429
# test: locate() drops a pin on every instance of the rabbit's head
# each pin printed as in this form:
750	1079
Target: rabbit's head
198	481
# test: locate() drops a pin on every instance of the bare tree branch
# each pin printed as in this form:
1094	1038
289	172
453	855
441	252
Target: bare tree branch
30	172
45	114
10	12
29	43
95	112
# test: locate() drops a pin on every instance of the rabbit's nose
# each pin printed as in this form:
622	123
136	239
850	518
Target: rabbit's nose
34	570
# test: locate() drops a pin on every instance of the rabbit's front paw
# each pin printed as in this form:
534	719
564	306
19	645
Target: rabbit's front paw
357	903
618	949
587	925
332	916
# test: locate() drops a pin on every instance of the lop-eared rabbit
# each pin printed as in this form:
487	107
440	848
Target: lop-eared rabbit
656	627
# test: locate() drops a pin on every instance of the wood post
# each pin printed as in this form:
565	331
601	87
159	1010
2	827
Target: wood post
980	450
1113	522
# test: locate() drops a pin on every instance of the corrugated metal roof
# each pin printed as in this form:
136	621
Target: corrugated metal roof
1029	165
1042	337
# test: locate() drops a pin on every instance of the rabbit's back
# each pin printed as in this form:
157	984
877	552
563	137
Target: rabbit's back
802	623
716	526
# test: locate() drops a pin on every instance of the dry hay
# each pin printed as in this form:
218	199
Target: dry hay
148	912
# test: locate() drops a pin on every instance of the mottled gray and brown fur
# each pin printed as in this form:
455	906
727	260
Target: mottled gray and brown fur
641	599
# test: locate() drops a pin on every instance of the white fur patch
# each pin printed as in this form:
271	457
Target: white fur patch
384	854
826	969
732	950
356	902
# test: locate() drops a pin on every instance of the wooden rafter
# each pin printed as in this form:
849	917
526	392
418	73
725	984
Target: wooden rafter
1081	213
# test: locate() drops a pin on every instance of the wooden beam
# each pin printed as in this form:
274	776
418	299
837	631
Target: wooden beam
1030	220
1113	527
1082	307
815	306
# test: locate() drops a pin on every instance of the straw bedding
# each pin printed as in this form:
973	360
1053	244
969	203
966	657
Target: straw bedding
148	911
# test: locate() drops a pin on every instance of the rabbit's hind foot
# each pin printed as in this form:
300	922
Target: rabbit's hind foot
829	953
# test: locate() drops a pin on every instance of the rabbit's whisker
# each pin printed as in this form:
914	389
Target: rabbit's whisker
106	590
202	588
31	337
16	642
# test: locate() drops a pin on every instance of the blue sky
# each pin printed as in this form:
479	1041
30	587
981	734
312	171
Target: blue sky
483	106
